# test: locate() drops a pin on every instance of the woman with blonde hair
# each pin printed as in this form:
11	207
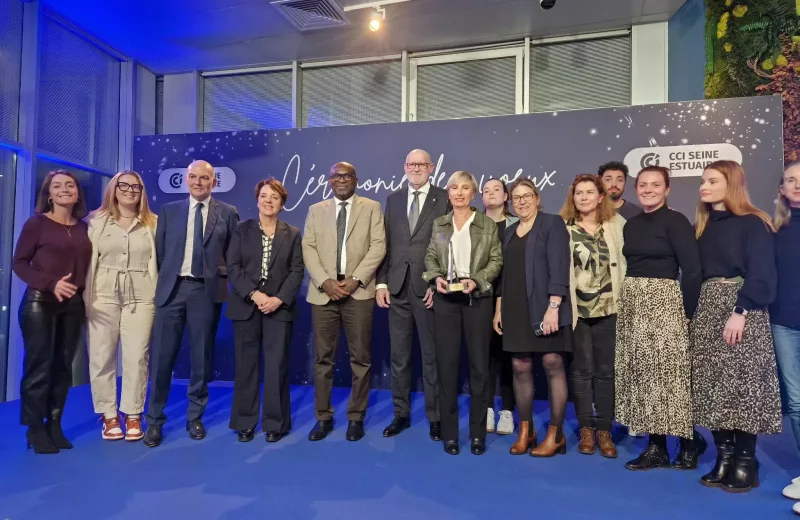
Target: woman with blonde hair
462	262
598	268
785	310
734	378
120	293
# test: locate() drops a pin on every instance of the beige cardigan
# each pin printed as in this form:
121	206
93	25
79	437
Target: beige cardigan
96	227
612	232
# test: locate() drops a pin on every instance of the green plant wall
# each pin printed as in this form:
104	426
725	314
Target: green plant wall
753	48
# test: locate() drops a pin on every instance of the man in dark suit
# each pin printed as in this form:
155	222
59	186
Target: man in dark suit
265	268
192	236
409	220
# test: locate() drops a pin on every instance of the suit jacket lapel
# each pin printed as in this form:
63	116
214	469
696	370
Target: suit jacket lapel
211	221
277	240
183	222
354	212
430	202
530	244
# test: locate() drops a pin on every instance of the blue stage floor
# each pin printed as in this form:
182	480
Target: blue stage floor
408	477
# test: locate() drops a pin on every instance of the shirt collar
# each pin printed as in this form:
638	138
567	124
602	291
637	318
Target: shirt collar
193	202
423	190
348	201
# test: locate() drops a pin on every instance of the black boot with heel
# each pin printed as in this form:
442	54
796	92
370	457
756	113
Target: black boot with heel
689	451
744	475
56	434
39	441
724	441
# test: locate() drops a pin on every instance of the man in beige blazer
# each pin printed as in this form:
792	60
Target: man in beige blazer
344	242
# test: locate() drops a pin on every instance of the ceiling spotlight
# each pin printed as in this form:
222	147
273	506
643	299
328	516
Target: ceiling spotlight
376	19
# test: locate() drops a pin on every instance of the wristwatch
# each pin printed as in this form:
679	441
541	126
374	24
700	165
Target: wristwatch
359	281
554	304
741	311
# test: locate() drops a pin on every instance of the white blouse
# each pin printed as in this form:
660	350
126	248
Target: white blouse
461	242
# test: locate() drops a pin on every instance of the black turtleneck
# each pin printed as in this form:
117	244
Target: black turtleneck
785	310
661	244
741	246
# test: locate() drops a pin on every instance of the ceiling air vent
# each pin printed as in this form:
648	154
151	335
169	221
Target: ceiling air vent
310	15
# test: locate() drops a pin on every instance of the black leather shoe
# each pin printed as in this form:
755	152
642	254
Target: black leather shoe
398	425
246	435
451	447
196	429
275	436
724	441
152	436
654	456
436	431
478	446
355	431
320	430
689	451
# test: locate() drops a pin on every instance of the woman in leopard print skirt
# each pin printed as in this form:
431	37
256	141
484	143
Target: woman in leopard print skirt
734	374
653	364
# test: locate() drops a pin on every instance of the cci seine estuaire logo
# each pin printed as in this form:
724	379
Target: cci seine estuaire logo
173	180
682	161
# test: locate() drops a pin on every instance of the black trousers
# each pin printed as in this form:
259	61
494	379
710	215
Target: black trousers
500	364
407	312
189	305
256	336
51	331
593	365
452	315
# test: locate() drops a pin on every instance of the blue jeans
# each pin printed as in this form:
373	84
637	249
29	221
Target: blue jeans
787	352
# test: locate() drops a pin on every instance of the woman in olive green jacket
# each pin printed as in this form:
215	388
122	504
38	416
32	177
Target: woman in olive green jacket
463	260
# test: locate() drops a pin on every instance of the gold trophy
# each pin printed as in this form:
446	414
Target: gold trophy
453	283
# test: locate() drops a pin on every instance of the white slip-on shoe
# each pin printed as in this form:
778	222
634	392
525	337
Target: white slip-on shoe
490	420
792	490
505	426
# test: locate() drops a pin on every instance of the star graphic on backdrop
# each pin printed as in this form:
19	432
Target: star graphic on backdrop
195	503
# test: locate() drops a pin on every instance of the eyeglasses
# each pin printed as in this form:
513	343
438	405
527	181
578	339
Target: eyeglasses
124	186
342	177
417	165
516	199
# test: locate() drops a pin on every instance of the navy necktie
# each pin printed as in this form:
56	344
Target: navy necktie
197	245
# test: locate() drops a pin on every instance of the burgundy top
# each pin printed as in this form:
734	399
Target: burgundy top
46	252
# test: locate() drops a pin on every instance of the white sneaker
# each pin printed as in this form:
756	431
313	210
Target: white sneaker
793	490
633	433
505	426
490	420
796	508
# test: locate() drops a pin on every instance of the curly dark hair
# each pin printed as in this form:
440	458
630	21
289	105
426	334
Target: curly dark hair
613	165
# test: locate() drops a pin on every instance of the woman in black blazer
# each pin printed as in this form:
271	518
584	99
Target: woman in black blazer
265	269
535	317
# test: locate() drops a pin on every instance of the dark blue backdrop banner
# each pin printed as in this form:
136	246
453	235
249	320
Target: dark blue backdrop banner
550	148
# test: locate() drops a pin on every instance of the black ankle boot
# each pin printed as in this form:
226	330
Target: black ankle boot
689	451
654	456
744	474
724	441
56	434
39	441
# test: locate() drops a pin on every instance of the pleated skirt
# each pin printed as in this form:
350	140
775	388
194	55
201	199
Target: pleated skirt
653	367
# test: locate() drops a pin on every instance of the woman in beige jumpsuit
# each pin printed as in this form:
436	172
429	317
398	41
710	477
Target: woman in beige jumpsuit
120	291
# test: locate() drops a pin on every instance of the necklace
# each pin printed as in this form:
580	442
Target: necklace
66	228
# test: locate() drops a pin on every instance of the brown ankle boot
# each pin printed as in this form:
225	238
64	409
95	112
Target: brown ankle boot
606	445
586	444
552	444
526	439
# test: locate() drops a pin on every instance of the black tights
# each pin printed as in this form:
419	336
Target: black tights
553	364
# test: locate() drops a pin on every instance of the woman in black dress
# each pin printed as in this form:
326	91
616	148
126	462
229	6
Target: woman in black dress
495	204
537	314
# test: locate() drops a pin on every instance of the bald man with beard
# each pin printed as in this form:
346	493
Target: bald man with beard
192	237
409	216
